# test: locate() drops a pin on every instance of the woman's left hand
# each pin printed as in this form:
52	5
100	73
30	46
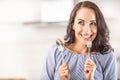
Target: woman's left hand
89	69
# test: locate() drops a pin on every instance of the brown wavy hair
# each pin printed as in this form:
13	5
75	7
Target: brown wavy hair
101	42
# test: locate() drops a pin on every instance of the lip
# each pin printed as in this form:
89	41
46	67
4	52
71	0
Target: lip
86	37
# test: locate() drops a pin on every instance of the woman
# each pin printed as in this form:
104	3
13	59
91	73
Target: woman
86	24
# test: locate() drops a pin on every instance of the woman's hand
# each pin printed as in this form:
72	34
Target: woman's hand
64	71
89	69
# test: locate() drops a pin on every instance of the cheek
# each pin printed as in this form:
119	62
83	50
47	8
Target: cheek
94	30
78	28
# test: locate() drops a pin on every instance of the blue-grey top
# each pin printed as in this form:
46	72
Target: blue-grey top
106	65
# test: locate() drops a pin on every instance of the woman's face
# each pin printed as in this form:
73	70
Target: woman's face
85	25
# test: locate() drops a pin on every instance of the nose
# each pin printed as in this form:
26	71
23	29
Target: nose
87	29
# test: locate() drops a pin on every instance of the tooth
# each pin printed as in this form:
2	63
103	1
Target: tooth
86	36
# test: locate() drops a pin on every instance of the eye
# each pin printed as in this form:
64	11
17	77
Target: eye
81	22
93	24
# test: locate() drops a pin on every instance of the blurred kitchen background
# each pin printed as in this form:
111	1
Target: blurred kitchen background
28	28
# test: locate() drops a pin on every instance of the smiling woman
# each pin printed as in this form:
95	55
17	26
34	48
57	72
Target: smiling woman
86	24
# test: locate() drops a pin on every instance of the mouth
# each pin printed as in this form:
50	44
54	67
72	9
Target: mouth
86	37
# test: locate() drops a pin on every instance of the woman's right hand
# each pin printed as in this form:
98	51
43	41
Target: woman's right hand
64	71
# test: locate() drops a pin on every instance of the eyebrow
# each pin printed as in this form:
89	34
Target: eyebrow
90	21
81	19
93	21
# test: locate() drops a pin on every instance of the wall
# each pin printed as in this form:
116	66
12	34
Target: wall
23	46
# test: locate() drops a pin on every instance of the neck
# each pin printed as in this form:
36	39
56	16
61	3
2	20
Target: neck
79	48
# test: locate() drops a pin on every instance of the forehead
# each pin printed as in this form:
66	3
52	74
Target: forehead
85	14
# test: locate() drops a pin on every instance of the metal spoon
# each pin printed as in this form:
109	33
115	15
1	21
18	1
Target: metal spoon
61	47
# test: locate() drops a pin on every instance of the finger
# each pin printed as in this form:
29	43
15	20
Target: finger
89	68
89	62
64	64
90	65
86	69
63	69
64	73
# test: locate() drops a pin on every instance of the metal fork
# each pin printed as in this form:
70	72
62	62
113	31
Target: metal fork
89	45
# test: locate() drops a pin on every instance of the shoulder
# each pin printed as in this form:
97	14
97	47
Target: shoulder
108	55
53	47
52	50
109	66
49	64
107	59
